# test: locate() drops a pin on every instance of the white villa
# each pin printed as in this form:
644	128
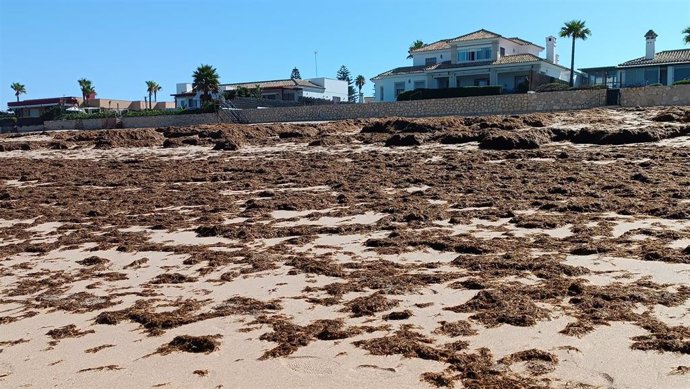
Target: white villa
479	58
285	90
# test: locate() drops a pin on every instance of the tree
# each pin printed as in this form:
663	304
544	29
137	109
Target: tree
257	91
18	89
360	81
344	75
686	38
152	88
206	80
575	29
87	89
414	46
295	74
149	88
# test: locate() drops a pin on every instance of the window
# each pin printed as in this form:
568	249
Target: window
480	54
192	103
442	82
419	85
481	82
503	51
681	73
430	61
381	93
399	88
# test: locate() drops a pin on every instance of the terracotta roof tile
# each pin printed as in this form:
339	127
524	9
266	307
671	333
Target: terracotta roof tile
473	36
289	83
505	60
476	35
662	57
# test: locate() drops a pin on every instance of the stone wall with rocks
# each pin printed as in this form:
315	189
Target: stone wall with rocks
655	95
133	122
481	105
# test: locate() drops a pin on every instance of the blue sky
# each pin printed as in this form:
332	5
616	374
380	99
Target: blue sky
119	44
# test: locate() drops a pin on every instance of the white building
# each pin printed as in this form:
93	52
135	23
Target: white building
480	58
285	90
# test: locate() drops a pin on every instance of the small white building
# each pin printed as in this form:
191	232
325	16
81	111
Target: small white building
284	90
480	58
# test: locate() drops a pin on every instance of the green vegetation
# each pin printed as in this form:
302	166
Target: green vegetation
360	81
414	46
682	82
206	80
344	75
295	74
152	88
423	94
686	38
18	89
575	29
87	89
552	87
7	119
148	112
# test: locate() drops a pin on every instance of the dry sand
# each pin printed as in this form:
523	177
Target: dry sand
546	250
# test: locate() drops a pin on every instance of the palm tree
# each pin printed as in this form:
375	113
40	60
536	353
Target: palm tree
86	89
414	46
155	92
686	38
152	88
360	81
574	29
18	89
206	80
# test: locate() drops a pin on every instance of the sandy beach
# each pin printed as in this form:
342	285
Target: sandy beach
529	251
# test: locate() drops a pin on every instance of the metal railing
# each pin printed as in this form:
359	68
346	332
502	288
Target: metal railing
228	113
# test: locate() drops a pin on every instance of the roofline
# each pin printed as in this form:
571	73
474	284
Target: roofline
621	66
450	41
536	60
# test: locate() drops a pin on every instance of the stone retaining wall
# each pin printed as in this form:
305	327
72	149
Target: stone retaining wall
655	95
468	106
480	105
133	122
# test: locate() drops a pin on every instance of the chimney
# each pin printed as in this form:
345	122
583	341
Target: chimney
651	40
551	49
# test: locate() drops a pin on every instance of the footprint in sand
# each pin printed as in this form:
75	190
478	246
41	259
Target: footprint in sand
310	365
373	372
5	369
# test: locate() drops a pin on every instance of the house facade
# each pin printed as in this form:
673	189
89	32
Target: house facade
480	58
664	67
285	90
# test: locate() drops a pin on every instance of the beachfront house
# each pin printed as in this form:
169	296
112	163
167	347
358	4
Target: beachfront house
289	90
480	58
664	67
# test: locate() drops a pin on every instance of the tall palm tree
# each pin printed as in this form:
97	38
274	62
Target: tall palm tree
575	29
686	38
152	88
156	89
86	89
18	89
360	81
414	46
206	80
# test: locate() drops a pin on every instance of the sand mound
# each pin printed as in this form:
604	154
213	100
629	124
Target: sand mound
509	140
144	137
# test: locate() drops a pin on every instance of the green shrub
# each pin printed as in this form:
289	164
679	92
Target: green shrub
682	82
656	84
423	94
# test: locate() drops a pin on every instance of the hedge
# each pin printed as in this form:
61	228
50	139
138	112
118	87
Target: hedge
682	82
423	94
148	112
